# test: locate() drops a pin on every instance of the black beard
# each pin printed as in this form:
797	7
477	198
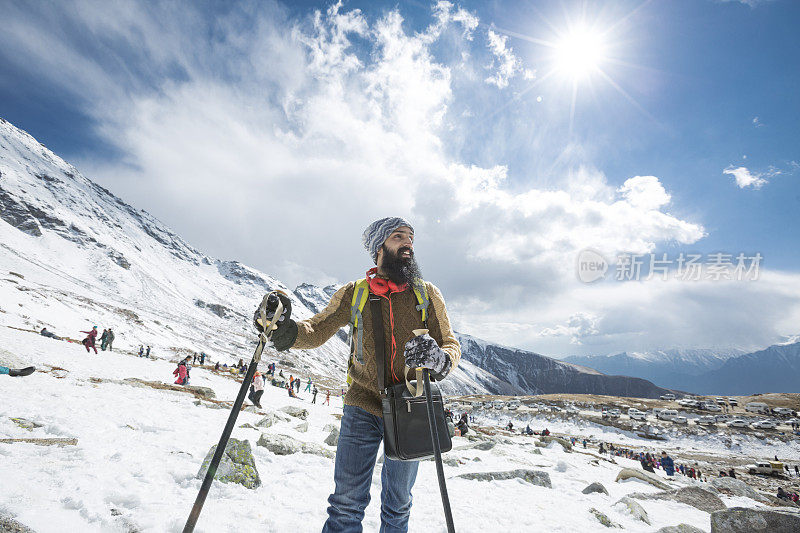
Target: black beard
400	269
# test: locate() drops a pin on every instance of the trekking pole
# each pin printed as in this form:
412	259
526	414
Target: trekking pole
237	405
437	453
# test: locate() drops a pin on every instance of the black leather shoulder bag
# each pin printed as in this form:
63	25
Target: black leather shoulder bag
406	426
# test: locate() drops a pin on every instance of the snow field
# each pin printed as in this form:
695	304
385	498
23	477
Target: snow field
139	450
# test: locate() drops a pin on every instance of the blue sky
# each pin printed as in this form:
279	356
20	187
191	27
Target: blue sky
463	117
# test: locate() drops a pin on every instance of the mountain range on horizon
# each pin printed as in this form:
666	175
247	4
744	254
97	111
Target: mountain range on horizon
74	254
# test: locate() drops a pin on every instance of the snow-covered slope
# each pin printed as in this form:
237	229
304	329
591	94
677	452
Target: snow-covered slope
86	257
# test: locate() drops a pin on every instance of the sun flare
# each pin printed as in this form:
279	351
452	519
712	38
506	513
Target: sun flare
580	52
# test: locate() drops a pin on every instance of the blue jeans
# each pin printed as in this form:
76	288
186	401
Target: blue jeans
3	370
359	438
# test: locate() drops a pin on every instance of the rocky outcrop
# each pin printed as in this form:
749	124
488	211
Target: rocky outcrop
595	487
236	466
680	528
297	412
697	497
628	473
747	520
603	519
535	477
279	444
9	525
333	437
635	509
547	439
737	487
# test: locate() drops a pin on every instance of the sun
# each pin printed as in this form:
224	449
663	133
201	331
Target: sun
579	52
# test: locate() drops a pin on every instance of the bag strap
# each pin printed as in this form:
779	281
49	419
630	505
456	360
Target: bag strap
380	343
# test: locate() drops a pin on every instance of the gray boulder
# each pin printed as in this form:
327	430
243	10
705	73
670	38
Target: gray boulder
279	444
636	510
24	423
680	528
746	520
696	496
737	487
333	437
205	392
450	461
485	446
595	487
302	427
547	439
297	412
9	525
316	449
236	466
330	427
266	422
535	477
603	519
628	473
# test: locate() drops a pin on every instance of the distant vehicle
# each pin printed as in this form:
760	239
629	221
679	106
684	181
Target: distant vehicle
487	405
706	420
770	468
737	423
757	407
573	409
657	410
680	420
667	414
783	411
733	401
764	424
722	419
667	396
498	404
477	405
611	413
555	408
635	414
721	401
513	405
689	402
793	421
714	408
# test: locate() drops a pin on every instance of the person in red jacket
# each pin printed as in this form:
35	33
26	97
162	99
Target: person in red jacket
89	340
182	372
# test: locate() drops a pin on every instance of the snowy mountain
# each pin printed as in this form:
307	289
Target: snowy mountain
538	374
84	257
668	368
773	369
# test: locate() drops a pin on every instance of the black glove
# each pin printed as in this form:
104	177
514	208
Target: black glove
284	336
423	352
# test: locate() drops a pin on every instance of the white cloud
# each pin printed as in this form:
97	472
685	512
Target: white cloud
757	122
315	127
505	64
577	327
744	178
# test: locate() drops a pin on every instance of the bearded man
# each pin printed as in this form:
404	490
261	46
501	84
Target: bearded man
397	280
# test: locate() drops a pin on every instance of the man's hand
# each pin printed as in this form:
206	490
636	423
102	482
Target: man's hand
423	352
284	336
270	304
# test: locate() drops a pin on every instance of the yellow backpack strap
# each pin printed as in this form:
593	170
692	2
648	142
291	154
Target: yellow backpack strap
421	292
356	336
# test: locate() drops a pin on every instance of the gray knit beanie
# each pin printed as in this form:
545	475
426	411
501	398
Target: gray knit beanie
377	233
